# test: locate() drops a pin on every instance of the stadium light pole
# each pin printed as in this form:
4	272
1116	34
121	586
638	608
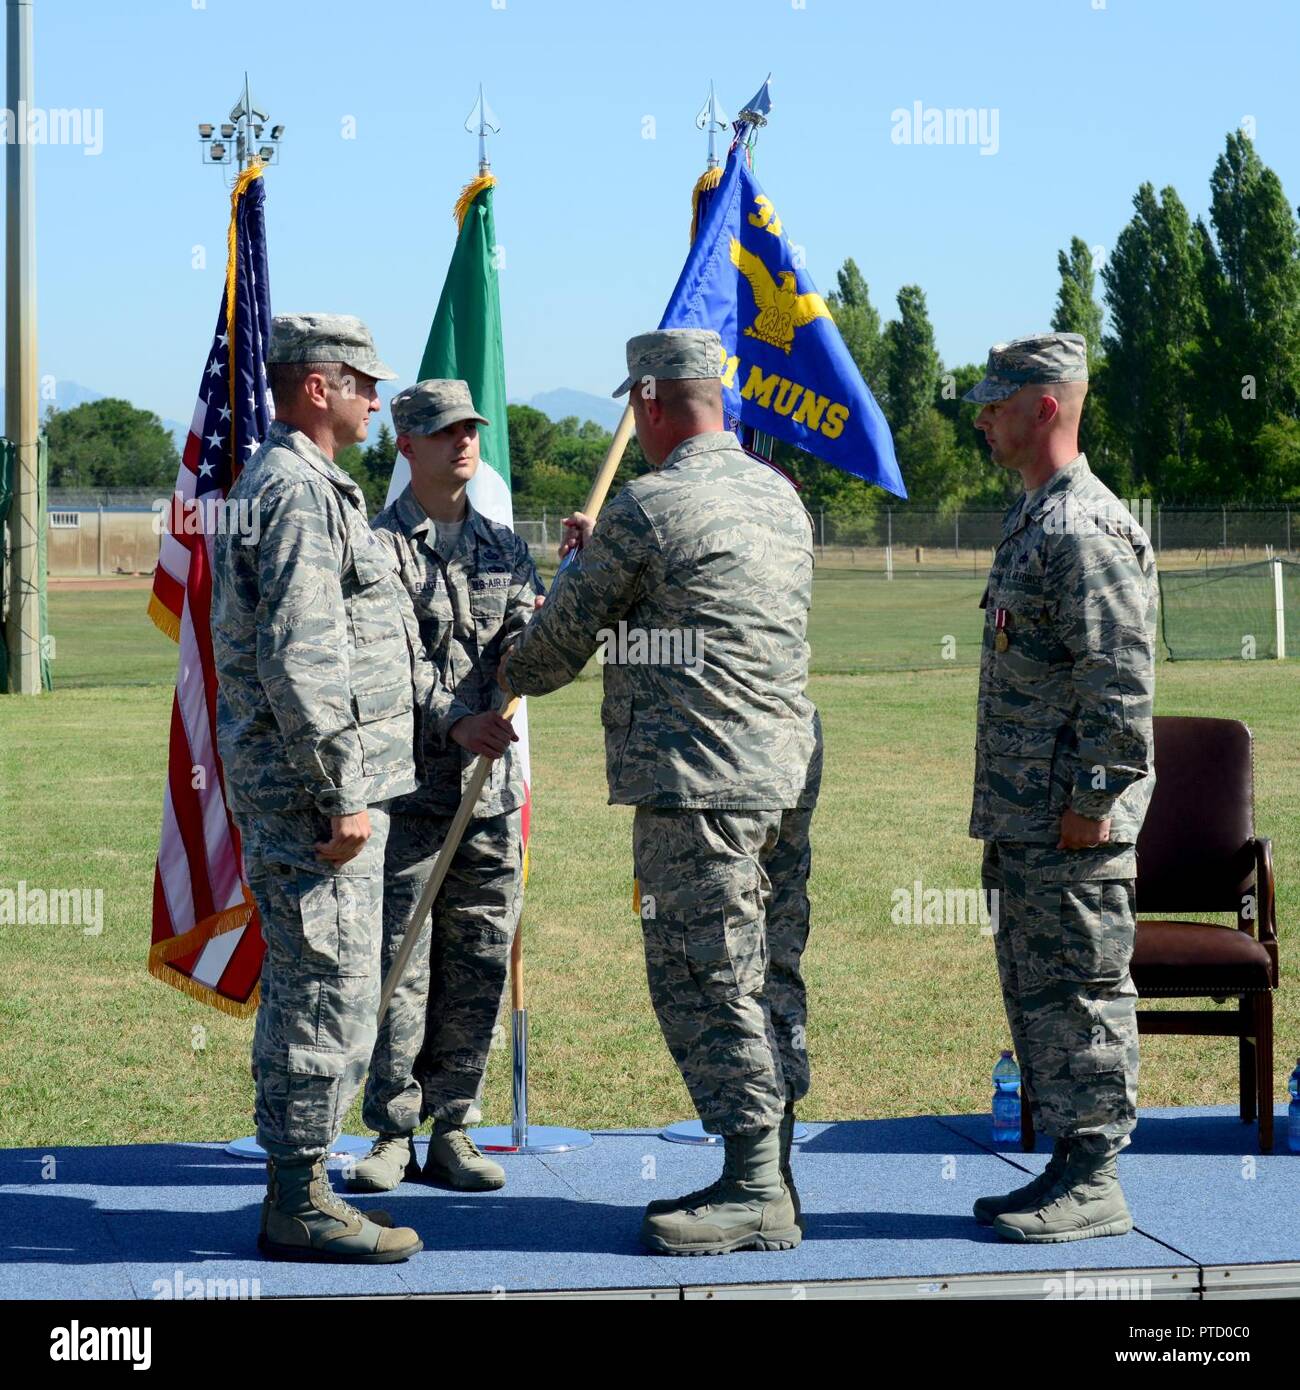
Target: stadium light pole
22	419
244	128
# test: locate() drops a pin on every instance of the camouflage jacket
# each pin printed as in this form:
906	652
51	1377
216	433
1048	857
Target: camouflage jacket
466	603
320	671
695	586
1066	690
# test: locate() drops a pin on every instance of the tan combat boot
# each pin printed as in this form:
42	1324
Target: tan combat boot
391	1158
750	1209
987	1209
701	1196
454	1161
304	1219
787	1167
1086	1201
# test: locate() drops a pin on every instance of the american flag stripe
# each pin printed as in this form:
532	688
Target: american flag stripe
206	937
173	569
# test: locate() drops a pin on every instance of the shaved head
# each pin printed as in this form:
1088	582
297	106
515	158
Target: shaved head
1068	396
689	396
672	410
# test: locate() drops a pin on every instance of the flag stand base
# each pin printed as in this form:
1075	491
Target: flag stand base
519	1137
346	1146
536	1139
693	1132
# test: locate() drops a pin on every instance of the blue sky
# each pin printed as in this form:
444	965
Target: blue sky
592	216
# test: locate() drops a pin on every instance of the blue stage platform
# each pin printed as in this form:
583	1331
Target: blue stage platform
887	1204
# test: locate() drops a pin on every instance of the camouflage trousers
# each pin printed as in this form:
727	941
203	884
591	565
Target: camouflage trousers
430	1056
320	976
725	919
1064	938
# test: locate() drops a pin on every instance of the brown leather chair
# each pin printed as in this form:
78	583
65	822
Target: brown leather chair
1198	852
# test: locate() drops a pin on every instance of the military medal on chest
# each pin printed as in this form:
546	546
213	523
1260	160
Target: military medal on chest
1001	637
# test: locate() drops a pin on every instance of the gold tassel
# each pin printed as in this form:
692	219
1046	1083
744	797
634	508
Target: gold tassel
160	970
246	176
467	195
198	936
162	953
164	619
706	183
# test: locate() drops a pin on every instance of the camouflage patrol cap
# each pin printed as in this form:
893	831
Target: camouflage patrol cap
1039	359
673	354
432	405
326	338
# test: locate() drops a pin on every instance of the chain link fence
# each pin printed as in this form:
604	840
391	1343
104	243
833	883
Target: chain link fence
110	499
857	625
917	540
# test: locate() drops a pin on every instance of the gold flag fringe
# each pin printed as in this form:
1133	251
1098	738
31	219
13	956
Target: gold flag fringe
706	183
246	176
162	953
164	619
467	195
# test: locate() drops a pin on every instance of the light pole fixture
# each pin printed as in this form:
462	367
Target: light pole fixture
240	140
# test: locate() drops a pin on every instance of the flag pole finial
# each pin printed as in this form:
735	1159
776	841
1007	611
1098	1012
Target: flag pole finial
753	115
482	121
247	118
754	112
712	118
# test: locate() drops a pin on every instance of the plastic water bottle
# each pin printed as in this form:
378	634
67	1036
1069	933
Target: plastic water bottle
1006	1100
1293	1110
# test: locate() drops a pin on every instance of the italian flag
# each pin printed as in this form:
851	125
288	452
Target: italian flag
465	343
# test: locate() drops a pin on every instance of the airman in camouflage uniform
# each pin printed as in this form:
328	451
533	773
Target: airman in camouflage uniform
695	584
1063	777
473	585
321	684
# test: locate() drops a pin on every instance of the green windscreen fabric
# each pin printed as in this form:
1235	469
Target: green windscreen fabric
1229	613
6	501
43	525
8	465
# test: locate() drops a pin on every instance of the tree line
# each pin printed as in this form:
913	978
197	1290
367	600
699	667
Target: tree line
1193	351
1193	330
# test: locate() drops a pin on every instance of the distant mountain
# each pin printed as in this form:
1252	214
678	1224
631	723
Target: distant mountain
68	394
556	405
604	410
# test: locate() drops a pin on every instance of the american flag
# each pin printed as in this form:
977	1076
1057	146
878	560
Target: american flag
206	937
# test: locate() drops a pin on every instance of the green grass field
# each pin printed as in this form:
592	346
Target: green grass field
903	1020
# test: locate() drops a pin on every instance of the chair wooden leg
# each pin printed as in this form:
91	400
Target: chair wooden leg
1264	1068
1027	1139
1247	1068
